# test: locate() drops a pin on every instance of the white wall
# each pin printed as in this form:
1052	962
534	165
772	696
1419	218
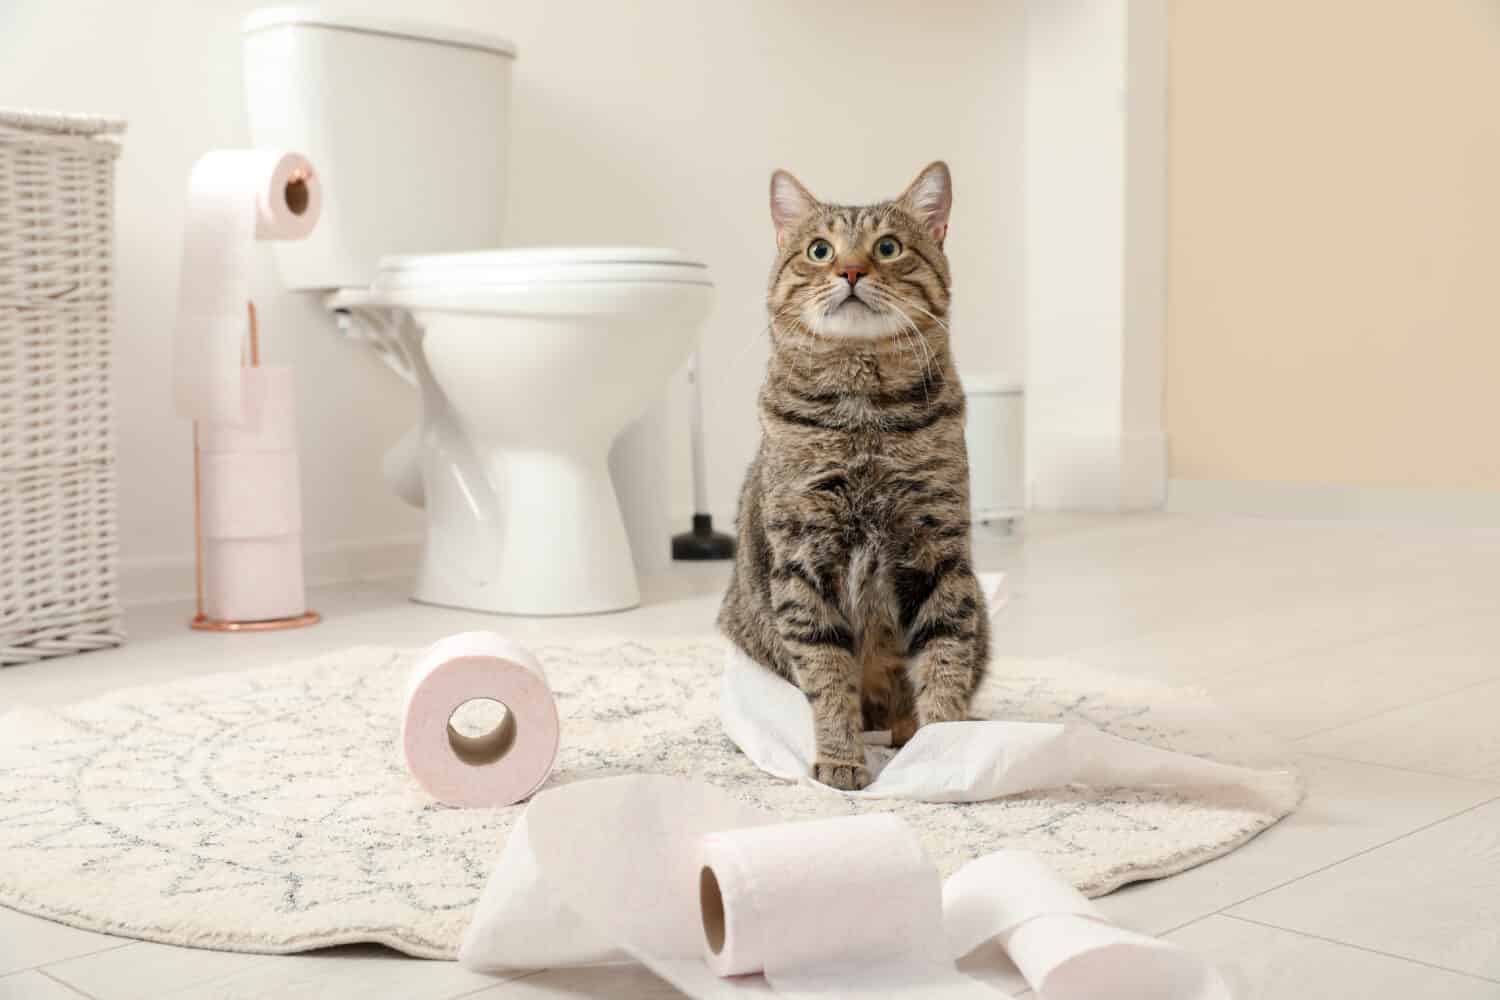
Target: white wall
649	123
1094	153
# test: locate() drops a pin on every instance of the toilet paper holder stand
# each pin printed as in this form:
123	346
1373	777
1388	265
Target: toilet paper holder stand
200	620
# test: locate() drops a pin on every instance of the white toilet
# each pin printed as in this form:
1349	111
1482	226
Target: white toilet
530	363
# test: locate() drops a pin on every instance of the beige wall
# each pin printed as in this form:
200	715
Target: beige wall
1334	242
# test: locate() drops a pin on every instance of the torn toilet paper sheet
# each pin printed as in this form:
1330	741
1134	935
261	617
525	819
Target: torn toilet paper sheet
771	721
603	870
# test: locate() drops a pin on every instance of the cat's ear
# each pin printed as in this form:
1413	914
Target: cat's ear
790	203
929	198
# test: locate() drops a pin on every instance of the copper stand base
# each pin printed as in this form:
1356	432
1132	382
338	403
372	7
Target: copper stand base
205	624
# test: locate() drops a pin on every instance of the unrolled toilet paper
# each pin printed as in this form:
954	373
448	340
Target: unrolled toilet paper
850	907
770	720
501	767
234	198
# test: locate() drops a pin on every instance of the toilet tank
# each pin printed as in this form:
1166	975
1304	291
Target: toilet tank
407	125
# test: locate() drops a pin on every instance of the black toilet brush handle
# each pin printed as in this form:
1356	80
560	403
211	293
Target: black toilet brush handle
695	429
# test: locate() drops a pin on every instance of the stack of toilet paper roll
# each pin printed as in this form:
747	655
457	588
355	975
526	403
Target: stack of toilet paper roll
250	515
252	505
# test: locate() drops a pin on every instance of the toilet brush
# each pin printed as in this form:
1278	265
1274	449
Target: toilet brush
703	542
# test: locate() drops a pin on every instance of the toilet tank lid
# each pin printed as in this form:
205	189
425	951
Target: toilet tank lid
276	17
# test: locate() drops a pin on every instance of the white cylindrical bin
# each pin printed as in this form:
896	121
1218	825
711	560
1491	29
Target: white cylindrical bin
996	436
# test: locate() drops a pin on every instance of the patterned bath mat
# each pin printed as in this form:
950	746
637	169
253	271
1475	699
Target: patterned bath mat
268	810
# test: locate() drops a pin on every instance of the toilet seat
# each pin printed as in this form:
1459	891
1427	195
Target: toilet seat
496	269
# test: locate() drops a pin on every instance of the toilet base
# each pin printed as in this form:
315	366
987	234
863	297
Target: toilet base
558	546
417	598
530	369
439	594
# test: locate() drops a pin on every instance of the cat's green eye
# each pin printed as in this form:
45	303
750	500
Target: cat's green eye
820	251
887	248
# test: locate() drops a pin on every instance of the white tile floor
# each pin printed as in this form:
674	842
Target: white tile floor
1375	650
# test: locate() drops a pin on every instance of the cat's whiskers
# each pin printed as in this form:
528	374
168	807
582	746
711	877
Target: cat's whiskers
925	357
904	337
910	330
936	320
926	389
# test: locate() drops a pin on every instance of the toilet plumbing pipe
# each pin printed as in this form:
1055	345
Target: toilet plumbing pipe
703	542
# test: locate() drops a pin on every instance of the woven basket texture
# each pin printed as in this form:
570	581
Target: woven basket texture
58	542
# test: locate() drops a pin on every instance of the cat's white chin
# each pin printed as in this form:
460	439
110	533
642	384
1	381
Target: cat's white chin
854	321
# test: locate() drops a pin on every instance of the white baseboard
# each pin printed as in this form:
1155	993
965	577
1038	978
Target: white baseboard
170	578
1072	470
1316	501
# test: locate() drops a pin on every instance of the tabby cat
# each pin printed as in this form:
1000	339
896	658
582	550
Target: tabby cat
853	576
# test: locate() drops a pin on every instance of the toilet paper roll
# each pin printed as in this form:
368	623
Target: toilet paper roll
253	579
499	768
793	897
253	494
269	396
234	198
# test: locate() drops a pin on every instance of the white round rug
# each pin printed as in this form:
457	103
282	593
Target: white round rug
269	810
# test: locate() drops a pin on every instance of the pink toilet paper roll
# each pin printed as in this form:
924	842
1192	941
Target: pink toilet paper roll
253	579
501	767
251	494
270	415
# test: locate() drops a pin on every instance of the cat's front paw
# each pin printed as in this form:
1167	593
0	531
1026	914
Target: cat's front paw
846	777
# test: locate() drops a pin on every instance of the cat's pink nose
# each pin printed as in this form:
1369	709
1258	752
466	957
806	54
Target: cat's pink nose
853	274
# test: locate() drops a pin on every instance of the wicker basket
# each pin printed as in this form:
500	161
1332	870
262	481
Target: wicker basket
57	481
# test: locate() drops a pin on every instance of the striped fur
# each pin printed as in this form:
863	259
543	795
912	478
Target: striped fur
853	577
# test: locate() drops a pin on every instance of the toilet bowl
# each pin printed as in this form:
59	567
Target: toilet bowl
529	363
